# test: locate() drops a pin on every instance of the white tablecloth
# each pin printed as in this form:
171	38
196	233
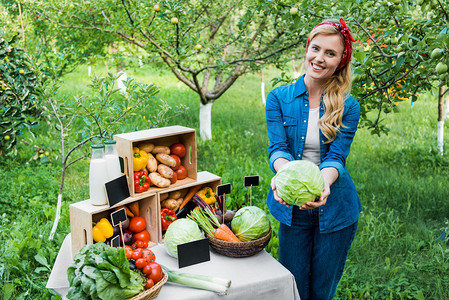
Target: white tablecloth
257	277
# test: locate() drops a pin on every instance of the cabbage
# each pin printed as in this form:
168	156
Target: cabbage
250	223
179	232
299	182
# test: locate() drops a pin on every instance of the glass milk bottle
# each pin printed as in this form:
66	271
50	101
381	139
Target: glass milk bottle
112	160
98	176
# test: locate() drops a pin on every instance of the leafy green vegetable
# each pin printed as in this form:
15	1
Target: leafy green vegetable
298	182
179	232
102	272
250	223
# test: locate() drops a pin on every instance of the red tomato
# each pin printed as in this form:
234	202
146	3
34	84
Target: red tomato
140	244
174	178
137	254
148	255
149	284
156	272
181	172
137	224
128	252
178	149
141	263
178	161
147	270
142	236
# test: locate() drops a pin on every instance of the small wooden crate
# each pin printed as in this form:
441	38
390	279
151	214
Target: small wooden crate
164	136
83	214
204	178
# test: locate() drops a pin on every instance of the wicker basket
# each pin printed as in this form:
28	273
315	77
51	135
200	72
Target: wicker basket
154	291
243	249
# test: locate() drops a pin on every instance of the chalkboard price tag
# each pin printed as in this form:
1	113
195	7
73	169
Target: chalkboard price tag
118	216
192	253
117	190
115	242
251	180
223	189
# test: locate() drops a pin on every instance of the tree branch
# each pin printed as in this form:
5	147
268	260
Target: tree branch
374	41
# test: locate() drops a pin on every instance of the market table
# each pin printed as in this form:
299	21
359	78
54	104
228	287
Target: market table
256	277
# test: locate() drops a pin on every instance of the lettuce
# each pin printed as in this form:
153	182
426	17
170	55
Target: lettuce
299	182
102	272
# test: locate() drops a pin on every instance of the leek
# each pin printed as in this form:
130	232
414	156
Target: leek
213	284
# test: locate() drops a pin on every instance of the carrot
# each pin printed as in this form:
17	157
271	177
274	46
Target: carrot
224	233
134	207
129	213
193	190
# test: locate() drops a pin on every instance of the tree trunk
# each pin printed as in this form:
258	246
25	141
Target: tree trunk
205	121
262	88
89	70
440	120
57	217
120	83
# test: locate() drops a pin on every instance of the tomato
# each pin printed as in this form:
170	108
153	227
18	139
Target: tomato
181	172
128	252
148	255
178	161
137	224
137	253
174	178
149	284
156	272
141	263
142	236
146	270
178	149
140	244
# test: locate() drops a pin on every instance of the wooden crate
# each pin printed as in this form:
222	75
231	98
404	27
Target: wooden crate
204	178
164	136
83	214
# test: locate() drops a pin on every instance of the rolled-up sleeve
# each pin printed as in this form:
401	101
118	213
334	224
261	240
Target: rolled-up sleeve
276	133
339	148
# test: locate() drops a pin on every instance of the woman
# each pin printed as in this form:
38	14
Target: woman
316	119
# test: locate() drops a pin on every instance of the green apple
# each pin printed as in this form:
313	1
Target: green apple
441	68
198	47
293	11
157	7
437	53
7	137
174	20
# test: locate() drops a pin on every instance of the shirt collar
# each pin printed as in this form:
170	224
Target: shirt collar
300	87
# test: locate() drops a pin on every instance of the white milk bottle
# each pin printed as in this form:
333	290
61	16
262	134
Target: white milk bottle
98	176
112	160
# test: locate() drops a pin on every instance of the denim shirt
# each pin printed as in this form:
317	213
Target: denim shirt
287	113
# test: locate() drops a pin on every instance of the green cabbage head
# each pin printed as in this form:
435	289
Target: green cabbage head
250	223
179	232
299	182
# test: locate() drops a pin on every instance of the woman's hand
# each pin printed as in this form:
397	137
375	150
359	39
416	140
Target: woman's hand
275	193
321	201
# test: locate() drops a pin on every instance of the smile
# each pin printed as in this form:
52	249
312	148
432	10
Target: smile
316	67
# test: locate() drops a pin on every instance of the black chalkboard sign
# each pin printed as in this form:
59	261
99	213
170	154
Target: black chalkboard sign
118	216
251	180
223	189
115	242
117	190
193	253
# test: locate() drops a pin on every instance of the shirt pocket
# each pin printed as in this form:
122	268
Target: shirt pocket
290	124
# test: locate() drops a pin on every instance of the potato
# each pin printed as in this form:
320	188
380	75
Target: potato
163	197
165	171
146	146
170	204
152	163
158	180
175	195
161	149
166	159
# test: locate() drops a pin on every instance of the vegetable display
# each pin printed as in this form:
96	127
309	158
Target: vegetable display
299	182
179	232
250	223
102	272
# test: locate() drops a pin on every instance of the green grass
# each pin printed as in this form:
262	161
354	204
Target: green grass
401	180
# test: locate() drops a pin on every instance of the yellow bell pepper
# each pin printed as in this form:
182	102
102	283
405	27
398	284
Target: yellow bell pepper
102	230
140	159
207	194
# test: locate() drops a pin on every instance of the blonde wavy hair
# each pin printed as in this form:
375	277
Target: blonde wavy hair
336	89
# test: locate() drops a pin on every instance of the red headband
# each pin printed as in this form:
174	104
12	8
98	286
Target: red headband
344	30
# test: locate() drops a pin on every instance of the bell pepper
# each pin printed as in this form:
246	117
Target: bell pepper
207	194
141	181
140	159
167	217
102	230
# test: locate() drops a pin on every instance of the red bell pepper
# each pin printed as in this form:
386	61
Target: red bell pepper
167	217
141	181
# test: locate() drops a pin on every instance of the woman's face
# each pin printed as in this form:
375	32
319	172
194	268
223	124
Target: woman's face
324	56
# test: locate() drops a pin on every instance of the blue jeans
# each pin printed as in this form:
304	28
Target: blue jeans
316	260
